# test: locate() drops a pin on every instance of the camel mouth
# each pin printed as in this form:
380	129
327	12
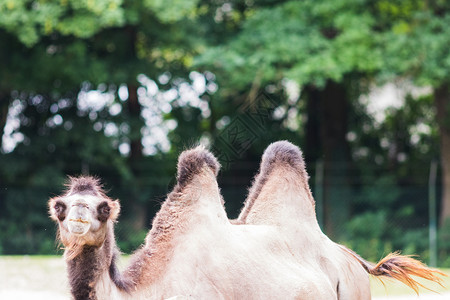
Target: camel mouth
79	220
79	226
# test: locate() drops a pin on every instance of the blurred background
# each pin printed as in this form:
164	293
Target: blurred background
118	88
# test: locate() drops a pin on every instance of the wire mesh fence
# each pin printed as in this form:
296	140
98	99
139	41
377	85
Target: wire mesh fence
373	215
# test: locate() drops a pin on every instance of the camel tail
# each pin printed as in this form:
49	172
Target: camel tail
400	267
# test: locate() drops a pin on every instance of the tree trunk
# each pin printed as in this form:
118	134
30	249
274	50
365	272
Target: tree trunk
326	131
4	107
134	109
137	203
336	152
442	103
313	144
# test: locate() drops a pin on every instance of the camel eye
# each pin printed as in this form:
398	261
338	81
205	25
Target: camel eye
60	210
103	211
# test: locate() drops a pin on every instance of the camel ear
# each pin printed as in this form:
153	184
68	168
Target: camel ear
191	163
57	209
115	209
51	209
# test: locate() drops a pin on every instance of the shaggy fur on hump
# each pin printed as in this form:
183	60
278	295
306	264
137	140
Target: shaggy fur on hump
145	265
278	153
191	162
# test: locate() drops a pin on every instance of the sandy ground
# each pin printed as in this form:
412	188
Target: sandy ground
33	278
44	278
445	296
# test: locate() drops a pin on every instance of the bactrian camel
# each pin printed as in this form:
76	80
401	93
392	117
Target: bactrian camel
274	250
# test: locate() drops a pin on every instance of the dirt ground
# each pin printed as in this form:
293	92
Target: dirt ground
27	277
445	296
39	278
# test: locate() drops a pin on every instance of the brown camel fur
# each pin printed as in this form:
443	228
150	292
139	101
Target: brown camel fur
274	250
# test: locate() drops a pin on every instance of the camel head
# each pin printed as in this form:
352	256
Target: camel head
84	215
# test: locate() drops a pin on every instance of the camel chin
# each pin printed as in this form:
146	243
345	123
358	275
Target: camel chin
78	227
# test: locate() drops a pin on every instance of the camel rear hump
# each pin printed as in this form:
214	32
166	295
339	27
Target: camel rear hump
282	152
281	184
286	156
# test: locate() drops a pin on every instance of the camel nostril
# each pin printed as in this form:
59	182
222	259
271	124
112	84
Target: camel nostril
80	204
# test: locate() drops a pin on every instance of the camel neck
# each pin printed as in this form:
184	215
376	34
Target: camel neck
84	272
86	269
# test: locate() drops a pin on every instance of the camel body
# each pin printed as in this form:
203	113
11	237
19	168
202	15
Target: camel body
206	267
214	270
273	250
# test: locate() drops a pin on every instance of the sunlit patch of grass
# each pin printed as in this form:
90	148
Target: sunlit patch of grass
394	287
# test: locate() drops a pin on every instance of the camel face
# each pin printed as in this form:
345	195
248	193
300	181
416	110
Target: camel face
82	214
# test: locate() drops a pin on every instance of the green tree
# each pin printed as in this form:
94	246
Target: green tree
417	49
53	53
328	48
56	49
335	50
40	49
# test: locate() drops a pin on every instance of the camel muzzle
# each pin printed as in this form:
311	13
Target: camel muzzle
78	220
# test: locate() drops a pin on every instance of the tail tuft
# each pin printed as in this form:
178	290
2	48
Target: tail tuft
402	267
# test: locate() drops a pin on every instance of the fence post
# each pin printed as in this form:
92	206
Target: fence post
318	191
432	213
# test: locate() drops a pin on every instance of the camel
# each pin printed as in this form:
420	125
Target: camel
273	250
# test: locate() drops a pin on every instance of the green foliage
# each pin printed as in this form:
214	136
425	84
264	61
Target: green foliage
444	244
404	141
25	227
29	20
415	242
367	235
382	191
315	41
172	10
386	220
417	44
129	240
307	41
373	236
